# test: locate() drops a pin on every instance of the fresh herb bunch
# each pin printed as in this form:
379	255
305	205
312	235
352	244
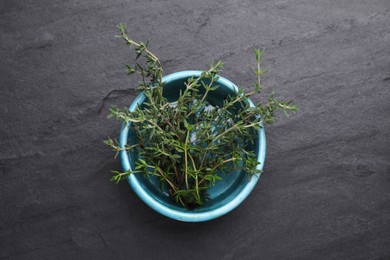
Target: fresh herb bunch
190	144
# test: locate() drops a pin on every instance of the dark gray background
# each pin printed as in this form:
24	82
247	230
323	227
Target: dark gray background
325	191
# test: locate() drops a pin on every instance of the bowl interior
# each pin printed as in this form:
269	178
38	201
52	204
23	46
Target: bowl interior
224	190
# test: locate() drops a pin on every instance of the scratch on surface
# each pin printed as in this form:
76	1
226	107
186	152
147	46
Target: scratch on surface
103	240
129	91
106	245
203	19
42	41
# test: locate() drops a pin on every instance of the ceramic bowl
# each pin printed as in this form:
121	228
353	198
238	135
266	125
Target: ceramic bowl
224	196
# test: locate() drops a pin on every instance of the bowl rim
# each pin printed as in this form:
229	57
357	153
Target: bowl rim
190	216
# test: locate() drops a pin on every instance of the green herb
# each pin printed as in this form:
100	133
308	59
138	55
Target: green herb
189	145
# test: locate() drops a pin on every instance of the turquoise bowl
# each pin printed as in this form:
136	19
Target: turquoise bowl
225	195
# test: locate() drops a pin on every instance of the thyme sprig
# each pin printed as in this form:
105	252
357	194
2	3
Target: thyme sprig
189	145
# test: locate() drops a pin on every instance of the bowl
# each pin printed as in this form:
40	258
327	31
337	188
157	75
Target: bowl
225	195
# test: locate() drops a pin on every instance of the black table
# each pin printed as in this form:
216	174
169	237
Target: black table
325	191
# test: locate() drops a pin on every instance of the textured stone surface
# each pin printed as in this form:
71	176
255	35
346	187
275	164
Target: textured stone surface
325	192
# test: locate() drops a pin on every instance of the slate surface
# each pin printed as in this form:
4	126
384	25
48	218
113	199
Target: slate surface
325	192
